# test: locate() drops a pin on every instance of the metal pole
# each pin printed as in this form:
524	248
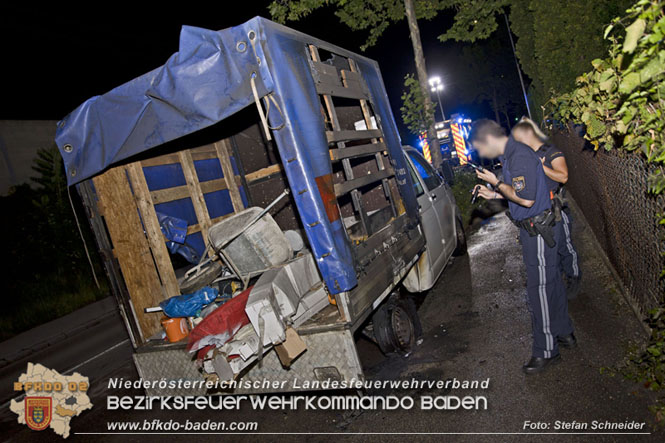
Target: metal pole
438	96
519	71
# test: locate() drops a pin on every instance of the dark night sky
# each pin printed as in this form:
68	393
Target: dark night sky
56	57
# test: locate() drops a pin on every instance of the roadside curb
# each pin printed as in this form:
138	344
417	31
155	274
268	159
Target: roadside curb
33	340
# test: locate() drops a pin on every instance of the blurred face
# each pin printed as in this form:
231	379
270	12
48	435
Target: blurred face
489	147
526	137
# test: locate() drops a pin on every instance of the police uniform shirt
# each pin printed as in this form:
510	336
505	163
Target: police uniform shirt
523	171
549	153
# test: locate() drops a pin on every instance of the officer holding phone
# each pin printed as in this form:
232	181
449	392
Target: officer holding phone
530	205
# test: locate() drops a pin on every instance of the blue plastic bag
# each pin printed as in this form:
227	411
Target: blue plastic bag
175	231
189	305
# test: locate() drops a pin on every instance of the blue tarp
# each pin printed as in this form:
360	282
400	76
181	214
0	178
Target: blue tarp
207	80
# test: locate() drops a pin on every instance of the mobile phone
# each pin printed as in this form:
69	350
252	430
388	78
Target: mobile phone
477	167
474	197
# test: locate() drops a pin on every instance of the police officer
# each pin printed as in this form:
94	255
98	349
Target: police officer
556	171
524	186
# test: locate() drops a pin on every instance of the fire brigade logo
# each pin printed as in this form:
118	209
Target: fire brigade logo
51	399
38	412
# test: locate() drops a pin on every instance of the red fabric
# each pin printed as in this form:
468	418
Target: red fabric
228	318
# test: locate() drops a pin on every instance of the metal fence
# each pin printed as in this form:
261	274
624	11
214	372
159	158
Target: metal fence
611	189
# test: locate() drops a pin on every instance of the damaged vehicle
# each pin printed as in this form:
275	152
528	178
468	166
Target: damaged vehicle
255	209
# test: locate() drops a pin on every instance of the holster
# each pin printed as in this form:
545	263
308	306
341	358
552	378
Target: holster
542	225
557	206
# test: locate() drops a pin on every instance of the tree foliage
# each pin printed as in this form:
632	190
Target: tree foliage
621	101
557	40
50	274
474	19
414	115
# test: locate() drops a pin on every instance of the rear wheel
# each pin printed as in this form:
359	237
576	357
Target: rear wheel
460	249
396	326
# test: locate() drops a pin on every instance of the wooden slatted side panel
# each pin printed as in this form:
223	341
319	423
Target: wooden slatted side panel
219	150
338	136
139	245
196	195
222	149
131	247
152	229
353	77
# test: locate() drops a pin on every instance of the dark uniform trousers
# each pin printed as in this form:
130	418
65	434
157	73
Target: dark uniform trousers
546	295
567	252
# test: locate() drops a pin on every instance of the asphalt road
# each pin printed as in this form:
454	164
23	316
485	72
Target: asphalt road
476	326
96	350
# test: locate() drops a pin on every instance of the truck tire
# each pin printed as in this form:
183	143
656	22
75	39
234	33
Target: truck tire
460	249
396	326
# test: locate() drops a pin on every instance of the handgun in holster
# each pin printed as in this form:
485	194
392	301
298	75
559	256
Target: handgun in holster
541	225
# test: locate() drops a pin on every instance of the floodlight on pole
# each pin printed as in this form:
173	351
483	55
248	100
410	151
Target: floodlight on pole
436	87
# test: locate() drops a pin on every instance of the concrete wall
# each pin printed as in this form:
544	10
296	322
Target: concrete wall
19	142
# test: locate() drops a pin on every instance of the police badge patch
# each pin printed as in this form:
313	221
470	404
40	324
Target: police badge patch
38	412
519	183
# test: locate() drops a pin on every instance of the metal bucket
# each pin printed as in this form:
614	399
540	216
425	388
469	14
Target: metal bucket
254	249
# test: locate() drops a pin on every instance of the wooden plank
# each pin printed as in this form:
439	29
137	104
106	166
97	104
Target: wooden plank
196	228
200	208
130	246
180	192
348	135
350	185
222	149
153	231
356	151
352	77
328	82
169	194
325	73
206	152
263	172
215	185
352	91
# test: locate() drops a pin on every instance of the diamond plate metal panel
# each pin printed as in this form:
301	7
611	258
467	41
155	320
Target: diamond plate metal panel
168	364
329	355
325	350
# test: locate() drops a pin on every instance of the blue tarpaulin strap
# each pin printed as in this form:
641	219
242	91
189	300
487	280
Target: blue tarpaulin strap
207	80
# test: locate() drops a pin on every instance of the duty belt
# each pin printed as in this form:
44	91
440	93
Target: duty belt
540	224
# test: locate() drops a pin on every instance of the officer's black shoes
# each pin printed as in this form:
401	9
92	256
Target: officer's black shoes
539	364
567	341
573	287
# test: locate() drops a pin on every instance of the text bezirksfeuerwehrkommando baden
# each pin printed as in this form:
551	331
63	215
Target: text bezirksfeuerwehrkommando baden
295	401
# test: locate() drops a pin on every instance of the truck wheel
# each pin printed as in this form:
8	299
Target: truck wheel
460	249
395	327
